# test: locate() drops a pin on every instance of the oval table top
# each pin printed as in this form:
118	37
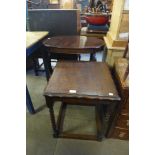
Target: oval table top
74	43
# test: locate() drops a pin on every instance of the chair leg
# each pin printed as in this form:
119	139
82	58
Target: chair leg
29	102
36	65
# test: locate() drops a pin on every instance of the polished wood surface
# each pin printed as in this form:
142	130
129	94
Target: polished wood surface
70	45
74	44
90	80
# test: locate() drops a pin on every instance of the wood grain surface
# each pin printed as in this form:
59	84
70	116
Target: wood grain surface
74	43
91	80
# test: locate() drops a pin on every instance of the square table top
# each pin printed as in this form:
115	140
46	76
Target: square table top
32	37
90	80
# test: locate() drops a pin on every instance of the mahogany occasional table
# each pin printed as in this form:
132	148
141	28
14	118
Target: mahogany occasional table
72	45
81	83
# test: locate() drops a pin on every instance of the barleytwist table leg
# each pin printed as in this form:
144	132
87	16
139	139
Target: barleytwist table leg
114	110
52	117
99	122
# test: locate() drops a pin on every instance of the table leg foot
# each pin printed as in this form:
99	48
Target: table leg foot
114	113
52	117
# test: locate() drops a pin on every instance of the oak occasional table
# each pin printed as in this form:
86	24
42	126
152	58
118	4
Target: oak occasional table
73	45
74	83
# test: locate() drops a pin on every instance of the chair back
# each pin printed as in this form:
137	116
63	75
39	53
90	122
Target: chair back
126	52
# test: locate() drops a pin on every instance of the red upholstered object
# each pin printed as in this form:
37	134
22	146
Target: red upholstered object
97	20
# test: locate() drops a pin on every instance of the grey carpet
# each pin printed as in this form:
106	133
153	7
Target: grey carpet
39	134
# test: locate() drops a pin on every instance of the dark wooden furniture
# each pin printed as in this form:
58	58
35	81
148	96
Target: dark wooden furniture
70	45
57	22
85	84
73	44
121	75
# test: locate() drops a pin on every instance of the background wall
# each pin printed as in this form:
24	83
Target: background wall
57	22
43	5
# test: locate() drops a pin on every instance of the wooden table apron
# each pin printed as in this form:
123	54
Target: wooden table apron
30	49
72	45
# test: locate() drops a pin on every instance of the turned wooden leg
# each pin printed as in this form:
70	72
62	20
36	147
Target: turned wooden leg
52	117
99	122
50	104
114	113
35	65
61	117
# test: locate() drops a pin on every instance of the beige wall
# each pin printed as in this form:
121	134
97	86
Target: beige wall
67	4
116	18
112	55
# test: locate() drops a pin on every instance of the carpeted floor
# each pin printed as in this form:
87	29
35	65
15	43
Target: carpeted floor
81	119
